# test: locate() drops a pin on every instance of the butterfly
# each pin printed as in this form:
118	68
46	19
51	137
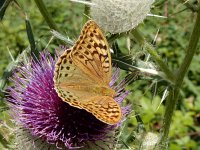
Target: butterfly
83	73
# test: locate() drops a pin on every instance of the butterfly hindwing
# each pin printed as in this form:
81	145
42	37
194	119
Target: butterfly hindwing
104	108
66	78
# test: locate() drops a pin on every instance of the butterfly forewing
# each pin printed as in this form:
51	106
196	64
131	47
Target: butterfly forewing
82	76
91	52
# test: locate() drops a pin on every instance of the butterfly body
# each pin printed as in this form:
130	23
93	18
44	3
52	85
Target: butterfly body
104	91
83	73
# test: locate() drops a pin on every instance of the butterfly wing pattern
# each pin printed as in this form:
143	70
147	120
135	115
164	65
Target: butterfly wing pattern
82	75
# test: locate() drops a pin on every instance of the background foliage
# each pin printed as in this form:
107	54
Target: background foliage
172	40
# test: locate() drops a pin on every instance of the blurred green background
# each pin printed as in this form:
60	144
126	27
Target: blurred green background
172	41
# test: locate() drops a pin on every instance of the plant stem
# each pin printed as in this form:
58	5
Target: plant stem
86	14
141	40
34	50
46	15
190	51
190	6
162	65
172	100
159	3
3	7
113	37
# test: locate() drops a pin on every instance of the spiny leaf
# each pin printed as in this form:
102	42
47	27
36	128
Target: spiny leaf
8	71
3	6
34	51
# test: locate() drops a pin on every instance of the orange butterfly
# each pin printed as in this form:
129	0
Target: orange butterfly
83	73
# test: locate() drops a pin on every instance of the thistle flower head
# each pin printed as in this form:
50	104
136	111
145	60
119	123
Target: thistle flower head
118	16
46	118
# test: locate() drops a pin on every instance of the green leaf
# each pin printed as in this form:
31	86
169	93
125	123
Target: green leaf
3	6
11	66
34	51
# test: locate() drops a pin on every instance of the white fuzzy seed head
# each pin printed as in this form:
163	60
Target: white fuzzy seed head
149	141
116	16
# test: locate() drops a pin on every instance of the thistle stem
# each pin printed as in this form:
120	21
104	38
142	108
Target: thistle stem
86	14
189	5
48	18
162	65
172	100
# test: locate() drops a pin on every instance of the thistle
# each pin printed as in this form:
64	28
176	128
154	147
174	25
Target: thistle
42	117
117	16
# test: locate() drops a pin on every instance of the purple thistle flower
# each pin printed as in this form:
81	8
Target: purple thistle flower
42	114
